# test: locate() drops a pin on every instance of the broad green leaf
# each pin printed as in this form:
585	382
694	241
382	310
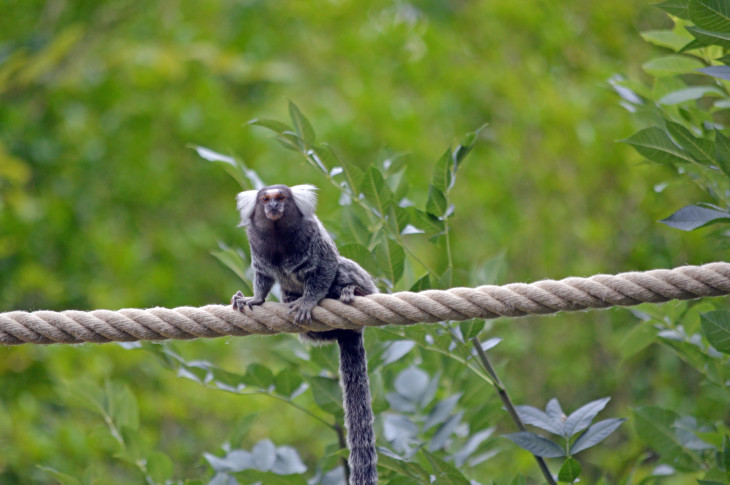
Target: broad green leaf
327	393
423	220
688	94
654	426
361	255
412	383
654	144
638	338
716	329
536	444
671	65
569	471
693	217
397	219
725	456
444	472
672	39
472	328
708	37
678	8
391	461
582	417
596	433
377	192
710	14
465	147
287	381
700	150
554	410
301	124
722	152
259	375
121	405
720	72
159	467
424	283
390	258
241	429
437	204
273	125
352	172
443	172
236	261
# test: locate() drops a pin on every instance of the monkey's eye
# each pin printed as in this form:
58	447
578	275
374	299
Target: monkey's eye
280	197
266	198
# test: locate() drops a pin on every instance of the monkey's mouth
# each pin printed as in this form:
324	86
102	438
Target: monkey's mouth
273	216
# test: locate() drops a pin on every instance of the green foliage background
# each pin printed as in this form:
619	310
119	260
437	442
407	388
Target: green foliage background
103	204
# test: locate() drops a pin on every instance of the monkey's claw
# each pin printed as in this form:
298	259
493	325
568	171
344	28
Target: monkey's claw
348	294
238	301
302	312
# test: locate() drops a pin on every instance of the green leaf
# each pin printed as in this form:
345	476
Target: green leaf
287	381
361	255
437	204
241	429
569	471
708	37
121	405
699	149
465	147
327	393
302	127
654	144
539	418
431	224
536	444
472	328
596	433
259	376
716	329
710	14
424	283
236	261
445	472
722	152
443	172
273	125
688	94
678	8
377	192
674	40
654	426
725	456
582	417
638	338
402	467
397	219
390	258
671	65
159	467
693	217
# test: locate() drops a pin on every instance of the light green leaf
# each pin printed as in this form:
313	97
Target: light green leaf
716	329
689	94
327	393
654	426
273	125
301	124
287	381
700	150
654	144
569	471
693	217
377	192
437	203
722	152
671	65
390	258
259	376
672	39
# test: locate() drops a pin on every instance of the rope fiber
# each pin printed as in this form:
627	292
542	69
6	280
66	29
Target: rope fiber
405	308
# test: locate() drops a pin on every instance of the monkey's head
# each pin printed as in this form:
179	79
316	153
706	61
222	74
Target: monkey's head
275	202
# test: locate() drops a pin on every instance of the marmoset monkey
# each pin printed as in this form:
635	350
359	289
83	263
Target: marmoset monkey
290	245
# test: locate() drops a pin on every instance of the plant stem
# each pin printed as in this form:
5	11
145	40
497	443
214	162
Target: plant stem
504	396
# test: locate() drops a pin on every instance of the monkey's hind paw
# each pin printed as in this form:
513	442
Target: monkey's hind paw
302	311
238	301
348	294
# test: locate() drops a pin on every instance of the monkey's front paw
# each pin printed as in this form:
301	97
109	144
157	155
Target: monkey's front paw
302	311
238	301
348	294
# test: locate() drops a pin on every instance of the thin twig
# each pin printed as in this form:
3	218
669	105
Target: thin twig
504	396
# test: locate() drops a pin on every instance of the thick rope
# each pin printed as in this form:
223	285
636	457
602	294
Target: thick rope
405	308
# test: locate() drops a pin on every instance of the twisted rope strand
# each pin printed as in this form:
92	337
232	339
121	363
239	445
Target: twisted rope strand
405	308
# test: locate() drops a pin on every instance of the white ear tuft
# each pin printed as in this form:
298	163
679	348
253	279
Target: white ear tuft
246	203
305	198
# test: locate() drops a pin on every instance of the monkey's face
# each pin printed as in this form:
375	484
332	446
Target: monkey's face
274	202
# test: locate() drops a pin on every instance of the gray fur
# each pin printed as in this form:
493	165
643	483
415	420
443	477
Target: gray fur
290	245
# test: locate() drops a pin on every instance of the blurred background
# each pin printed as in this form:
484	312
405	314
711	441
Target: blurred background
103	203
